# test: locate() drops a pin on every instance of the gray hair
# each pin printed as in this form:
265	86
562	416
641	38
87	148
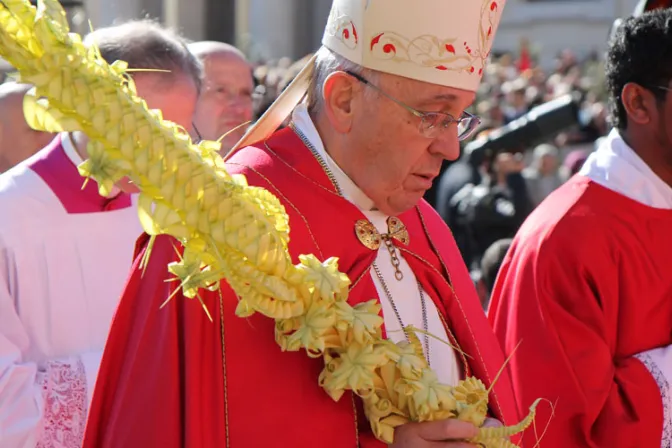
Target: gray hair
545	149
145	44
326	63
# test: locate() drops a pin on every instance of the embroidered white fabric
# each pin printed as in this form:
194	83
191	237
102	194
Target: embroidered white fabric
64	388
659	363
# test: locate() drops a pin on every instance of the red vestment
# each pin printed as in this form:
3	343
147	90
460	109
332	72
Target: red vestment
524	60
585	286
165	380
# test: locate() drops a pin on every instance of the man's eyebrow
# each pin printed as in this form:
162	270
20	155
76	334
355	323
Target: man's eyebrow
449	97
445	97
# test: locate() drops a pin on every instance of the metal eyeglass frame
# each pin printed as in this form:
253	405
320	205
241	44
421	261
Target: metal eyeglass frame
429	131
198	137
666	89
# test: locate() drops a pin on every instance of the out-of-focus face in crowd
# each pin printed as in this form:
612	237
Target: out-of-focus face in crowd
226	95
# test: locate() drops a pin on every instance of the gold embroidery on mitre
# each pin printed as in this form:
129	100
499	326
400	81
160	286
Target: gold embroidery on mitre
368	235
440	54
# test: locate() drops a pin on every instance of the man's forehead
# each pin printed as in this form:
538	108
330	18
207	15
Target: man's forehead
224	62
451	94
428	93
228	71
217	57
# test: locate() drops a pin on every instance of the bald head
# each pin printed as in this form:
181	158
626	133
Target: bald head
204	49
17	140
226	97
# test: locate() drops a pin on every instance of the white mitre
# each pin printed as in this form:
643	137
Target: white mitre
444	42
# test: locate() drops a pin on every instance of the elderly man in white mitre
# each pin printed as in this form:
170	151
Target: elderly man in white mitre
386	101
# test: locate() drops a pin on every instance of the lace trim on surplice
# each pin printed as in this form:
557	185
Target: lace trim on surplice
664	387
64	390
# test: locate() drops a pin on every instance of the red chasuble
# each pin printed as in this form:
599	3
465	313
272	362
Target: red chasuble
167	380
584	288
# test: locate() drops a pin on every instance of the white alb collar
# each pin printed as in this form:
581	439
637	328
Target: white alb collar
616	166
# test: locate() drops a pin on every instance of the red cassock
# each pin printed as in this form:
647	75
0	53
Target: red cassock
171	378
585	287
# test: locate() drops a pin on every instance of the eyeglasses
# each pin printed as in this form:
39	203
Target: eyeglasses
666	89
225	94
432	123
198	137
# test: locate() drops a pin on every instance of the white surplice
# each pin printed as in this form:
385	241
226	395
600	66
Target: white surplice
405	293
616	166
61	276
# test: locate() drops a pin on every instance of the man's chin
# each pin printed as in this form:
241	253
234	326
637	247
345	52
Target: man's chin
395	208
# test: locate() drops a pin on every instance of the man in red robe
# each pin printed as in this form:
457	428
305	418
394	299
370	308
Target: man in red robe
358	156
586	287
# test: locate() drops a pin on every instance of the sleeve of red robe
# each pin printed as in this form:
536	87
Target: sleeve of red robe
157	363
556	296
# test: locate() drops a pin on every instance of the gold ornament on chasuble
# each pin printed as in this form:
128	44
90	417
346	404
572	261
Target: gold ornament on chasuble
368	235
371	238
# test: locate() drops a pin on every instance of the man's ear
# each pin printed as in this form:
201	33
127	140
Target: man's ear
639	103
338	92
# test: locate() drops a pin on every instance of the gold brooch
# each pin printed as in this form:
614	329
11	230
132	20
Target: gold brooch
369	236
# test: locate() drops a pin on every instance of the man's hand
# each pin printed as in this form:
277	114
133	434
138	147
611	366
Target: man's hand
127	186
444	433
492	423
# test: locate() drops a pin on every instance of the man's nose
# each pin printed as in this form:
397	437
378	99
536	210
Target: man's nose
446	144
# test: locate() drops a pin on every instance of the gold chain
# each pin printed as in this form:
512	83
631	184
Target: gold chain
423	305
317	155
393	255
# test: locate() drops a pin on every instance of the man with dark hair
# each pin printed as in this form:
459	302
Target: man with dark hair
586	287
65	253
490	265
